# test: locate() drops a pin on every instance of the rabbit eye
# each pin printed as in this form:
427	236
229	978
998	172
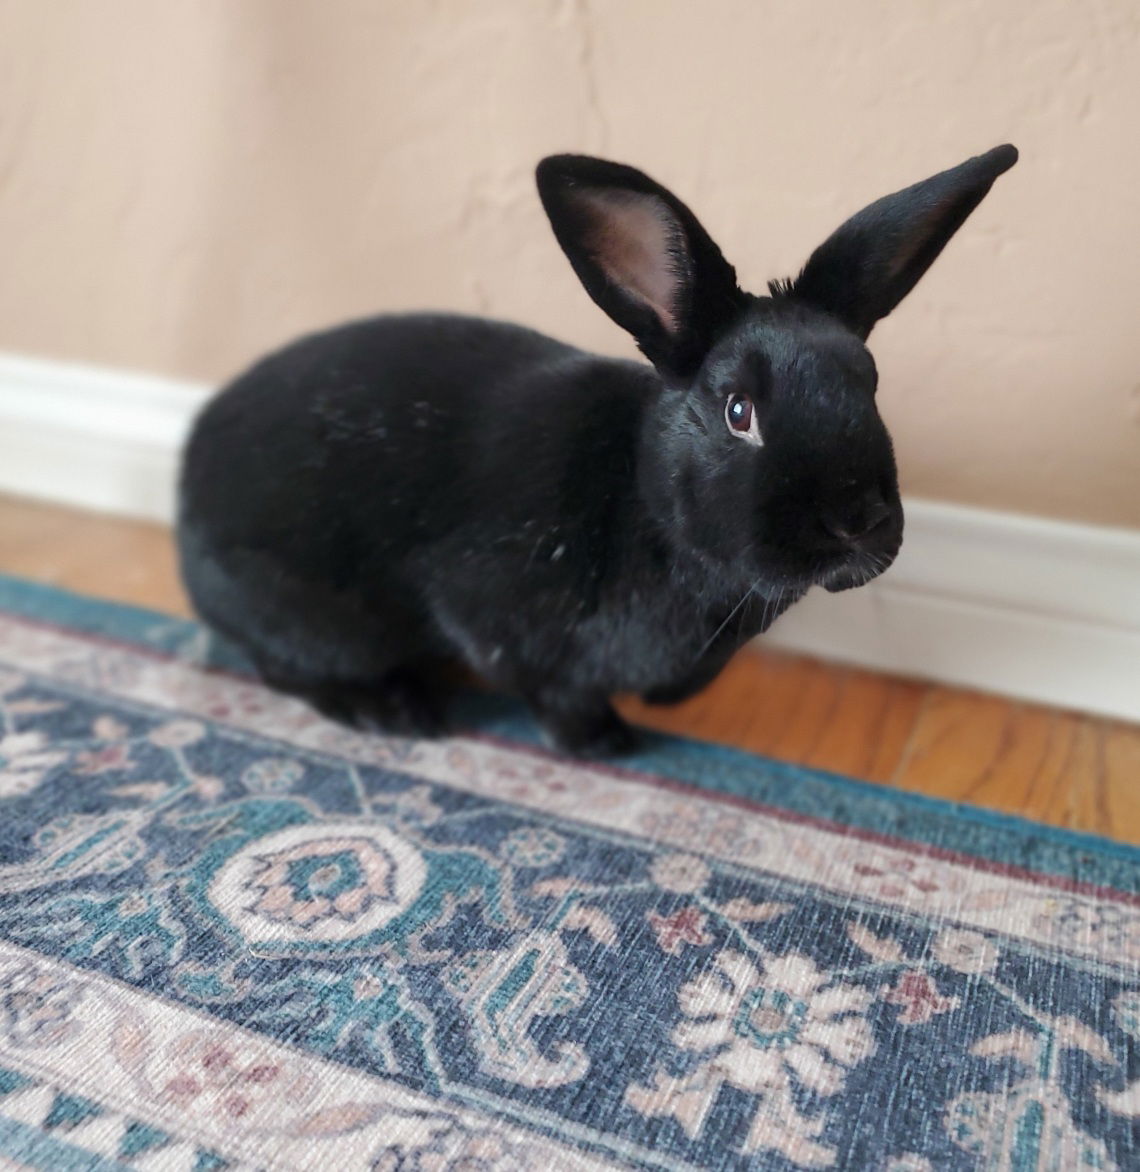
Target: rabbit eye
740	415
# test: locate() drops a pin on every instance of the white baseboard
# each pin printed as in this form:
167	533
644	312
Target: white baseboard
1045	611
100	439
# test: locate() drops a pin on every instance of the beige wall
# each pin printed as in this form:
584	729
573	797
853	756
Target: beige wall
184	183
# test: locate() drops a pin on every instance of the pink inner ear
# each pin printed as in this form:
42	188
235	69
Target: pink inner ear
638	243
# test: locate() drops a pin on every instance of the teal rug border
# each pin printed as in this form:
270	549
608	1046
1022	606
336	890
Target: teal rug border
1003	841
35	1148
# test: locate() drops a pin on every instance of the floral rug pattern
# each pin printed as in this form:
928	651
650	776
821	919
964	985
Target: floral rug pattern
233	935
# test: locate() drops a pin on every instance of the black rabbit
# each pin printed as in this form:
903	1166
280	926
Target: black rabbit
394	494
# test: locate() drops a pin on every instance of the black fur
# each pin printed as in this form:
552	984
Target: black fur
376	501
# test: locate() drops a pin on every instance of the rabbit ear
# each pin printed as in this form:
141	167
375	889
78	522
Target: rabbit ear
642	256
865	268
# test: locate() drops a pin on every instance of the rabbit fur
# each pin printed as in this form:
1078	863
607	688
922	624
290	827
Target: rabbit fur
377	501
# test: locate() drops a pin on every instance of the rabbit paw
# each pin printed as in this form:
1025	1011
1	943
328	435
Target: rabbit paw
593	732
398	705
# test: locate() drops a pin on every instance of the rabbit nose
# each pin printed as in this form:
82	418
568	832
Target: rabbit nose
857	519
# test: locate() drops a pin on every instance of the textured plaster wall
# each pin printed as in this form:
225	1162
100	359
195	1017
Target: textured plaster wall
185	183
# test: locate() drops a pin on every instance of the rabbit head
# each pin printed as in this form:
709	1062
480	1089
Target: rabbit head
763	448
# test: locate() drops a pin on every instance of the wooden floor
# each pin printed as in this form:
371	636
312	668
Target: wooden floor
1053	766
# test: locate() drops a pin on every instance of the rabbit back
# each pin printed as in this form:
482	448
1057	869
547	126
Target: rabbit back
400	488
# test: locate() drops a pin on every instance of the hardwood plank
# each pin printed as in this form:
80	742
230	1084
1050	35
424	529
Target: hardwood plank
1051	766
1115	788
109	557
871	726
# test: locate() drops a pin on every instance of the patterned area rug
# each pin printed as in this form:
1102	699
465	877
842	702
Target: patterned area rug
233	935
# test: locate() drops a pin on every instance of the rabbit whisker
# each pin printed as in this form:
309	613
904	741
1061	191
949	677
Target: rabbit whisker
731	615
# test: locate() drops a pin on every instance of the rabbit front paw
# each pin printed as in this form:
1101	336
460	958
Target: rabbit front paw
590	729
399	704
